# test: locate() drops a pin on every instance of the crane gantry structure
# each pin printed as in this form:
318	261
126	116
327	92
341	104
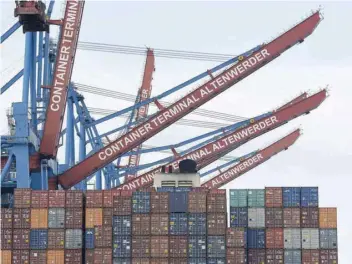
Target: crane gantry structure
48	93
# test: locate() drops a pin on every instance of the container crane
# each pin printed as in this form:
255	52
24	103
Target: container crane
187	104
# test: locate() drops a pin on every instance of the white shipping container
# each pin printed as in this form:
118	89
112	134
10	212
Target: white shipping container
328	238
310	238
256	217
292	238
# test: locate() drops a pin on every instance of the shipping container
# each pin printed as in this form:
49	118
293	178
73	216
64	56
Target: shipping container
56	217
102	256
216	224
39	239
236	237
39	218
238	198
122	205
292	256
159	224
57	198
292	238
94	217
6	238
20	238
22	198
183	189
310	217
73	256
274	256
238	216
274	238
310	256
122	225
197	261
140	224
107	216
273	197
159	261
178	246
73	238
309	197
328	217
89	238
141	202
328	238
178	261
310	238
165	189
140	247
291	196
197	224
178	202
256	217
21	218
216	247
255	238
292	217
20	257
256	256
159	202
56	256
256	198
103	236
159	246
197	247
40	199
94	199
6	218
216	201
328	256
274	217
122	247
56	238
121	261
140	261
197	202
236	256
74	199
6	256
178	224
216	260
74	218
108	197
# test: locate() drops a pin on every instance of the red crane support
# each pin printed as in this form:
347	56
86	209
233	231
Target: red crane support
212	151
251	162
187	104
61	78
142	112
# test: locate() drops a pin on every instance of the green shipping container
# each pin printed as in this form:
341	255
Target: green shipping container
238	198
256	198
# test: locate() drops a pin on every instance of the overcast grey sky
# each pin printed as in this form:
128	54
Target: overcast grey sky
321	157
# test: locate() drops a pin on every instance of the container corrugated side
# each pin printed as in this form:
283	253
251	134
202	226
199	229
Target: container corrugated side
292	256
74	199
74	218
327	217
292	217
197	202
6	218
236	256
236	237
6	239
274	238
103	236
197	224
216	224
89	238
256	256
20	238
291	196
178	224
94	217
310	256
121	261
256	197
56	238
140	224
292	238
122	225
256	217
102	255
256	238
37	257
20	256
107	216
39	239
274	256
310	238
159	261
216	247
197	247
56	218
238	216
56	256
309	197
328	256
73	238
178	202
197	261
6	256
273	217
57	198
73	256
310	217
40	199
273	197
22	198
216	201
216	260
141	202
140	261
238	198
122	205
159	246
328	238
178	261
159	202
108	197
140	246
159	224
178	246
94	199
39	218
21	218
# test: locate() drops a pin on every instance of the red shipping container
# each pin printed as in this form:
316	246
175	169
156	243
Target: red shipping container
273	197
159	261
107	216
6	238
108	197
274	238
292	217
178	246
20	239
21	218
40	199
310	217
57	198
216	201
6	218
140	261
178	261
275	256
56	238
159	202
216	224
99	256
140	224
236	256
20	257
273	217
89	256
74	218
74	199
94	199
38	257
256	256
122	205
103	236
73	256
328	256
22	198
159	246
140	246
200	189
159	224
197	202
235	237
310	256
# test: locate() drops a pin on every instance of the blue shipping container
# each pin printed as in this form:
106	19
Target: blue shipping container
39	239
122	247
197	261
256	238
197	247
165	189
216	247
309	197
141	202
183	189
291	196
217	261
121	261
178	202
197	224
238	216
89	237
178	223
121	225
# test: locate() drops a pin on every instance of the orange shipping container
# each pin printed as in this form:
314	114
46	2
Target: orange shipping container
55	257
328	217
6	256
94	217
39	218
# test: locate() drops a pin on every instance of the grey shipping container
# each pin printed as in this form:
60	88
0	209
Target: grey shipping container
256	217
197	224
238	198
122	225
197	261
216	260
256	198
238	216
216	247
328	238
73	238
273	217
56	218
292	256
292	238
178	224
178	202
122	247
197	247
310	238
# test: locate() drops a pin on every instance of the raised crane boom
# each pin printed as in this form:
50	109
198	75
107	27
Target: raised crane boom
61	77
187	104
251	162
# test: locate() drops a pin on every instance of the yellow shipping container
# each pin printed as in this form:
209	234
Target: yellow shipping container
6	256
55	257
94	217
328	217
39	218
